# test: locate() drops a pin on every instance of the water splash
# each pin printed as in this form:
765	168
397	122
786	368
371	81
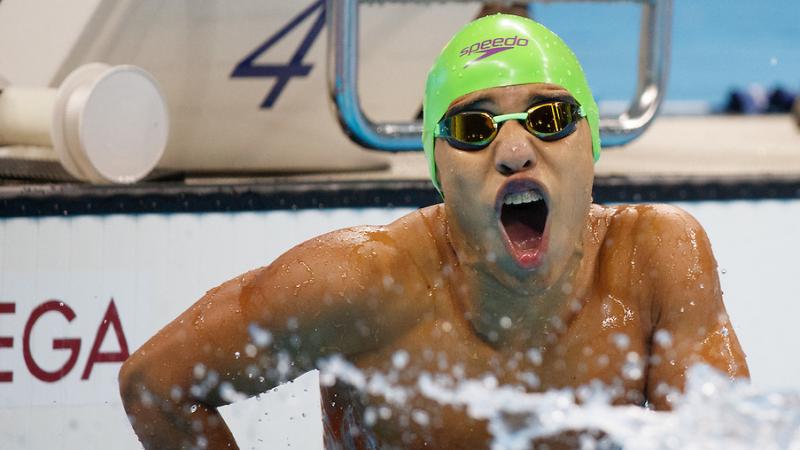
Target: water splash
714	413
259	336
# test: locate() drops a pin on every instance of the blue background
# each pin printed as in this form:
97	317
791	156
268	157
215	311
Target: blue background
716	45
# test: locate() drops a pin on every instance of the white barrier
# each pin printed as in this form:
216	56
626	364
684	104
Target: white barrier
140	271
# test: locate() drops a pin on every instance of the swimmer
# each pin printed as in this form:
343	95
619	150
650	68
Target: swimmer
517	275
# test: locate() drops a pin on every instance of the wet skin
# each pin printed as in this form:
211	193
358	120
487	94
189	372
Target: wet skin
626	295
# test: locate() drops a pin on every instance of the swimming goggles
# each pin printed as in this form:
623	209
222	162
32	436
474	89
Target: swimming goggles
473	130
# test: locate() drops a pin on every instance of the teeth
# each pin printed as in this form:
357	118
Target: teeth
522	197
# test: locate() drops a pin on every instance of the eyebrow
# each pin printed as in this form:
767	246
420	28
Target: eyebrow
557	95
479	103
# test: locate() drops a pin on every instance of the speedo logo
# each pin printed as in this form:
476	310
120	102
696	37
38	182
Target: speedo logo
489	47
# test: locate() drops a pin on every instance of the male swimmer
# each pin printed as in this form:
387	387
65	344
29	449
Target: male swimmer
516	274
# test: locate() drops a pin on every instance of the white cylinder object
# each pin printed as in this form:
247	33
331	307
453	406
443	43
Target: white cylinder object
109	124
106	124
25	115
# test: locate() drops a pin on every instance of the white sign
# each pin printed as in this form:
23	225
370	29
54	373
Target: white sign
78	294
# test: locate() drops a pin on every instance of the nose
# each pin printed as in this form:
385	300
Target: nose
513	149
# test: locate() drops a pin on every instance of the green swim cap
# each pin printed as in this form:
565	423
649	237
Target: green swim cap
501	50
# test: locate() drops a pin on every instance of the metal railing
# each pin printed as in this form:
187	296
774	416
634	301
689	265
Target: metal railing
342	21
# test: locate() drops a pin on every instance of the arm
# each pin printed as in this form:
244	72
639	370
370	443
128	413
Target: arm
270	325
690	324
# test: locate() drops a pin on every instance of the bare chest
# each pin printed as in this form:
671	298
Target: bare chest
419	389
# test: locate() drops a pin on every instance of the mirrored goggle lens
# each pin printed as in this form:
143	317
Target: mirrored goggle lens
552	120
472	127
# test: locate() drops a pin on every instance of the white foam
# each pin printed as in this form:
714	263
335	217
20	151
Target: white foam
714	413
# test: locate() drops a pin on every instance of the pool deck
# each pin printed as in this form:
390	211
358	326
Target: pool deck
677	158
695	147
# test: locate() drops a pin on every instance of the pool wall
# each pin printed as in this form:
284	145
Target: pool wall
64	277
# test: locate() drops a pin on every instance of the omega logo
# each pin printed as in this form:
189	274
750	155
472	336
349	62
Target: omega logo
73	345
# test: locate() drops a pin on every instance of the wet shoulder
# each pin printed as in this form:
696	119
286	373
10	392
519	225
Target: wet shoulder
660	235
360	256
641	217
421	236
410	239
401	251
654	224
646	249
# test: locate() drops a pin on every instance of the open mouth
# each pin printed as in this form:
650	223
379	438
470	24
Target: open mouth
523	215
